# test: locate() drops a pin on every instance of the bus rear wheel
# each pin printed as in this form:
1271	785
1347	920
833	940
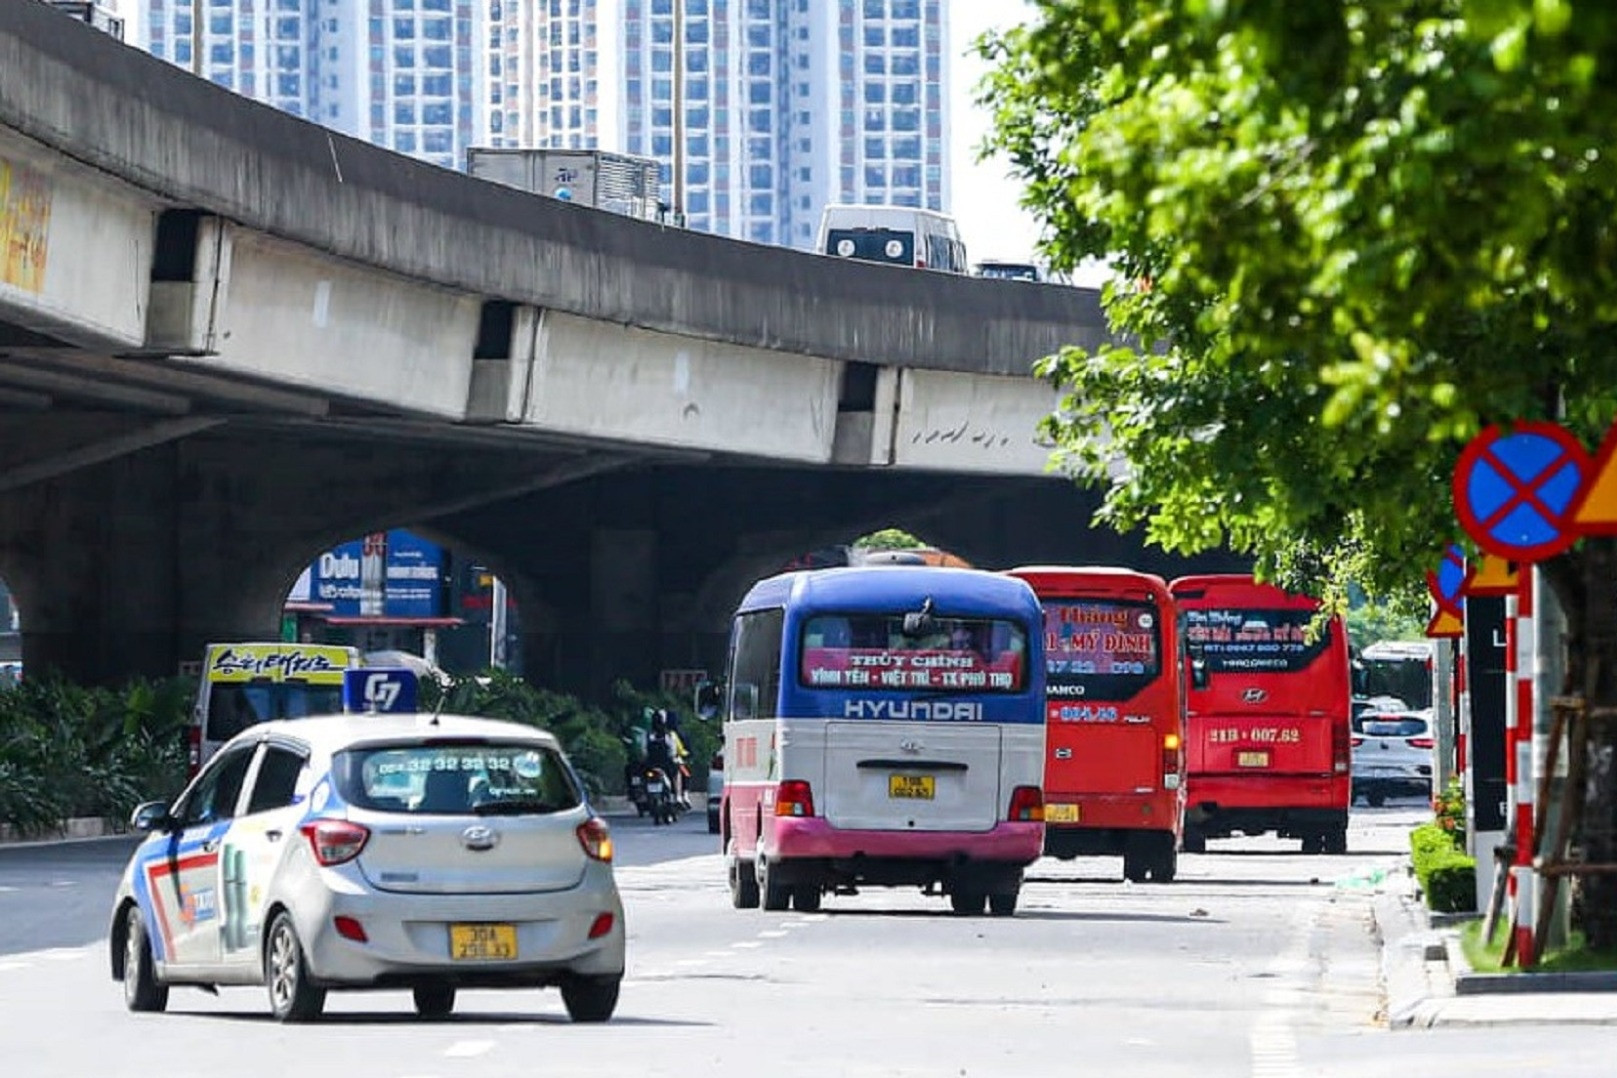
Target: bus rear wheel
968	902
775	896
743	884
1003	904
1193	841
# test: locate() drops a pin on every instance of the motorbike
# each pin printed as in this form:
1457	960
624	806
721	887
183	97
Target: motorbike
636	783
659	792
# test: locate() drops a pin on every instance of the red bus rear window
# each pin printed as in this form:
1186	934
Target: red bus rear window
1100	649
1253	640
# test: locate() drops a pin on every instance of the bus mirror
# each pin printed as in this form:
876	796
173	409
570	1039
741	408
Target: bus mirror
706	704
920	622
1198	674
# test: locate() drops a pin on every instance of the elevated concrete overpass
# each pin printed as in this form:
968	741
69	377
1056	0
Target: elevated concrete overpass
230	338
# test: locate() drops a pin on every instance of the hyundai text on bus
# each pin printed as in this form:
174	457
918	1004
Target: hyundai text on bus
1114	736
884	726
1267	714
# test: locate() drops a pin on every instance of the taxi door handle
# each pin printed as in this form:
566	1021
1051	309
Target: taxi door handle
210	846
273	835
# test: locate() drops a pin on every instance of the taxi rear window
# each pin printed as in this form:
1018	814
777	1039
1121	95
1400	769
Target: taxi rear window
1394	727
485	778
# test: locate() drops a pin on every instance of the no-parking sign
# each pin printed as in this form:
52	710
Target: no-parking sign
1514	489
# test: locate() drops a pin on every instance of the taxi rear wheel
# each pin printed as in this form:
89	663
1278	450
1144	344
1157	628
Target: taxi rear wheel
590	999
142	992
292	997
434	1001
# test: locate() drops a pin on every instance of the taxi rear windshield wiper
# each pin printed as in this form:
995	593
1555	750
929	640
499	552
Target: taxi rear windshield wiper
516	806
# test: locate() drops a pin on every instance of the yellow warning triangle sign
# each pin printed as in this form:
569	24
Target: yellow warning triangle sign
1594	512
1497	576
1445	623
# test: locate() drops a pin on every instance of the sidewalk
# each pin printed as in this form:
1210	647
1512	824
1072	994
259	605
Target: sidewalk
1429	982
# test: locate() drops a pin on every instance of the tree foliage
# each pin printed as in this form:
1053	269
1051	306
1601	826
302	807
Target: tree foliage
1349	234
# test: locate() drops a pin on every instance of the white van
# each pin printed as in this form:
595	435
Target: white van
244	684
894	236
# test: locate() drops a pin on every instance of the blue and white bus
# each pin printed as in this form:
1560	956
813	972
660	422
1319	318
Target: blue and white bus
883	726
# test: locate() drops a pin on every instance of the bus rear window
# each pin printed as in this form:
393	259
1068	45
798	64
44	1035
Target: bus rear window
1253	641
1100	649
871	651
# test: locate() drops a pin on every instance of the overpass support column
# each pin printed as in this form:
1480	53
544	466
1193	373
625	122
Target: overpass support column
625	637
100	566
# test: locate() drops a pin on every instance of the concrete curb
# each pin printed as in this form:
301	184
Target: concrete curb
66	831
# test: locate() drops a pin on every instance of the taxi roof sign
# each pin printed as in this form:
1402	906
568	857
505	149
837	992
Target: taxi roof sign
379	689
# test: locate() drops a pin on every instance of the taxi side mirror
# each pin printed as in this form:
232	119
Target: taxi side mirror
151	816
1198	674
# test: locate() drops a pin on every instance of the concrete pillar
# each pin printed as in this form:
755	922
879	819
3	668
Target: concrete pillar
624	615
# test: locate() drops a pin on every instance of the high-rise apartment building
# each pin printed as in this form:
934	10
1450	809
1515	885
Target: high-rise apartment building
428	78
544	74
790	105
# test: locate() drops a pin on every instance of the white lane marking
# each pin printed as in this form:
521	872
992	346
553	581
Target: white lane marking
718	954
746	944
4	966
1272	1040
468	1049
771	935
4	890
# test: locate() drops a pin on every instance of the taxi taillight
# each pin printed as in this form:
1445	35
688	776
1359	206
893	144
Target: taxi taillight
1421	742
1027	805
596	838
193	749
335	841
794	797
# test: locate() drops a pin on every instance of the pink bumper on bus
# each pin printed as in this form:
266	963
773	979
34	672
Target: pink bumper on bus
1009	842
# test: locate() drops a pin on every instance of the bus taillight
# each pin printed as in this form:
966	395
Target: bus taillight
1341	747
1027	805
794	797
1170	761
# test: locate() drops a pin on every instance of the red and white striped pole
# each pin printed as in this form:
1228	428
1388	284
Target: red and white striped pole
1521	759
1513	637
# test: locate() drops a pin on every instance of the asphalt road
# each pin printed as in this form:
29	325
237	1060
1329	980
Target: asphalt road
1258	961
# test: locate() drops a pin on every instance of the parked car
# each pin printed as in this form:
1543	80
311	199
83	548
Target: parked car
1392	756
432	853
715	791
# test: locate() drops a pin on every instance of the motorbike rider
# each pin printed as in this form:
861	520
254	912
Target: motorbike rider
666	751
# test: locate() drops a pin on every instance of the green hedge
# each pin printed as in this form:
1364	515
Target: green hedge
1447	874
68	751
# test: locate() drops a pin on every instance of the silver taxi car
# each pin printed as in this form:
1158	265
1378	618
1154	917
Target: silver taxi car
366	851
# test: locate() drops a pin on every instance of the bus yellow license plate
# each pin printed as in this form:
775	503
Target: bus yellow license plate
1252	759
916	787
482	943
1057	813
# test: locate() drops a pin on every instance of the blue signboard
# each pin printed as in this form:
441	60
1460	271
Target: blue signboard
378	688
384	575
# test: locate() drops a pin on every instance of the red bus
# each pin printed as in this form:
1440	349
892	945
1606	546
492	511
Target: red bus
1114	717
1268	713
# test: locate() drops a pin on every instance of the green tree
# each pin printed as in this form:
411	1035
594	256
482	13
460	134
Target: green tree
888	539
1349	234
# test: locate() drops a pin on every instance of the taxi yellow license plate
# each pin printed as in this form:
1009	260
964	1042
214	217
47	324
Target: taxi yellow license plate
1252	759
915	787
1058	813
482	943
